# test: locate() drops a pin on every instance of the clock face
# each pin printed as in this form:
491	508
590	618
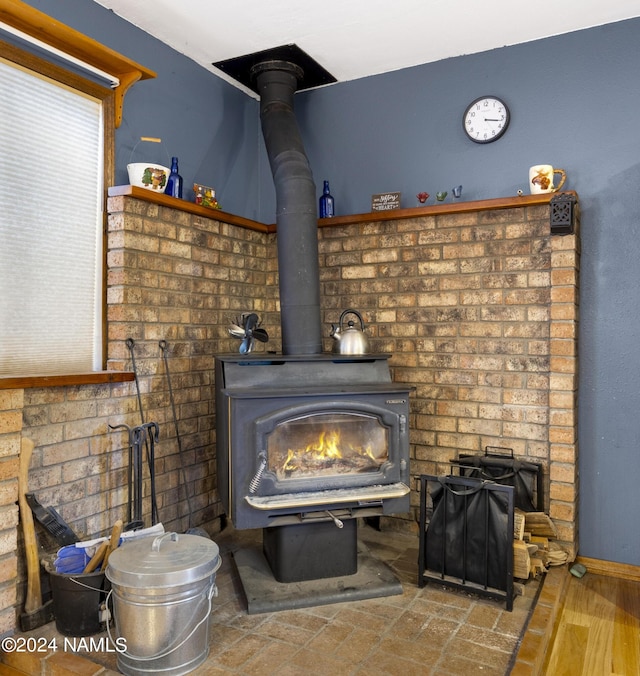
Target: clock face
486	119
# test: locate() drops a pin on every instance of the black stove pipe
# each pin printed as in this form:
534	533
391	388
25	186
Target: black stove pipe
296	213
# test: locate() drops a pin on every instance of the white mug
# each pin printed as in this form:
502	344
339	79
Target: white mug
541	178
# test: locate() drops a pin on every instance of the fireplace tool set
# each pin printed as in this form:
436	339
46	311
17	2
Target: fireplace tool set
147	435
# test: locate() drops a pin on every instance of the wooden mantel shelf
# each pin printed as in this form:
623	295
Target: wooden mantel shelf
372	217
183	205
443	208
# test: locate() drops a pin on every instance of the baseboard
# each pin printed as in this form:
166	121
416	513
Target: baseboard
610	568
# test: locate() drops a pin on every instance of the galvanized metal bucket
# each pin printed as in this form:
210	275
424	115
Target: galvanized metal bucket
162	589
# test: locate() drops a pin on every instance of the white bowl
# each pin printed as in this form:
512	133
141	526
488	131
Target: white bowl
148	175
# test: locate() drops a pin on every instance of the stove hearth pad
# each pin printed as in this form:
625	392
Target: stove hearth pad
264	594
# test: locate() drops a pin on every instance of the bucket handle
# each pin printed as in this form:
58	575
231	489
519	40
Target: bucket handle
213	591
150	139
155	545
82	584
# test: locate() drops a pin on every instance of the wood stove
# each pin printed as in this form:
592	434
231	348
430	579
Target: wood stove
306	440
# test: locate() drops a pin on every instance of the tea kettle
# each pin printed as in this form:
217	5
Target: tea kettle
349	340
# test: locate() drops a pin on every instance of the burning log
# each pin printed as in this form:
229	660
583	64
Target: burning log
326	454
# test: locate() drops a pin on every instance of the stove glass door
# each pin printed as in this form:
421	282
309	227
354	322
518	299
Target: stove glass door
321	445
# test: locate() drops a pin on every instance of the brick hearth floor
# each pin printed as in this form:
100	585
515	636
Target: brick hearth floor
424	631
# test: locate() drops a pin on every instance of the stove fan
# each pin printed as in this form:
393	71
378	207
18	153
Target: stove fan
247	328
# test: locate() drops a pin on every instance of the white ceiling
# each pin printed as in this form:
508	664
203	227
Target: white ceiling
356	38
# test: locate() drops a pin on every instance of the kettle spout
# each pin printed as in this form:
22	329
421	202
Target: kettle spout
335	332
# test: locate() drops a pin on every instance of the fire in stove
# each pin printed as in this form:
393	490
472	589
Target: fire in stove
341	446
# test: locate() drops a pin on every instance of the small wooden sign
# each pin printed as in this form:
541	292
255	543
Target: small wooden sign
385	201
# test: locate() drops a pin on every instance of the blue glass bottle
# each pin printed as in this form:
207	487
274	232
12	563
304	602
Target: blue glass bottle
326	202
174	182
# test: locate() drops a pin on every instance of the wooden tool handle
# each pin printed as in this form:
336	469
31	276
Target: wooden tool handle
33	598
96	559
114	541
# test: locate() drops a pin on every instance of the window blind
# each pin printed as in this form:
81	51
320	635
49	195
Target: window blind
51	164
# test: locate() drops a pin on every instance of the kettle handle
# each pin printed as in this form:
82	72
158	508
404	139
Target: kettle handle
352	312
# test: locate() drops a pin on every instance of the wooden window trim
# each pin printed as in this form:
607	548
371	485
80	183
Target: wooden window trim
39	25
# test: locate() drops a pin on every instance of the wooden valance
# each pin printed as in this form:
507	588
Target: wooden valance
44	28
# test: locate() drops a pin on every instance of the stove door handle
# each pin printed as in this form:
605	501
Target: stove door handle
336	520
254	484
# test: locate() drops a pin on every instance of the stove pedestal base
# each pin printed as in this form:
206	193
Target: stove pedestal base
373	579
310	551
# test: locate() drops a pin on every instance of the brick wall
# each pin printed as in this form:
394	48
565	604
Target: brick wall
478	309
173	277
179	278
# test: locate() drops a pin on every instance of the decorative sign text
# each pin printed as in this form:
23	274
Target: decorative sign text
385	201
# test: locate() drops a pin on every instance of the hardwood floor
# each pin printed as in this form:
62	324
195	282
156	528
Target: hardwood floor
599	629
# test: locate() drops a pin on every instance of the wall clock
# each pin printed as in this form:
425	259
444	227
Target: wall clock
486	119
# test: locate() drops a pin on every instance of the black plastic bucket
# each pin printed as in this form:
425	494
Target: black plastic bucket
76	602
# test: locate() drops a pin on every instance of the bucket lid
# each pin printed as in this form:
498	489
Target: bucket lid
163	561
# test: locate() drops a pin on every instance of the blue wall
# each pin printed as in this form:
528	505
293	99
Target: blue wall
575	103
209	124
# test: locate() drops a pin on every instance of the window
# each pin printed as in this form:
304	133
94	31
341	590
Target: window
51	225
57	120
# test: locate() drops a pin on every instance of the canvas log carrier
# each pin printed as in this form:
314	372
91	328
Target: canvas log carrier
466	535
499	465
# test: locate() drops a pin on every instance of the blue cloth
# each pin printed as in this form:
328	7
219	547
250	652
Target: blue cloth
71	559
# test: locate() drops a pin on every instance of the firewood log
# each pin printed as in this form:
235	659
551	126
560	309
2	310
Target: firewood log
539	523
521	560
537	566
518	524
